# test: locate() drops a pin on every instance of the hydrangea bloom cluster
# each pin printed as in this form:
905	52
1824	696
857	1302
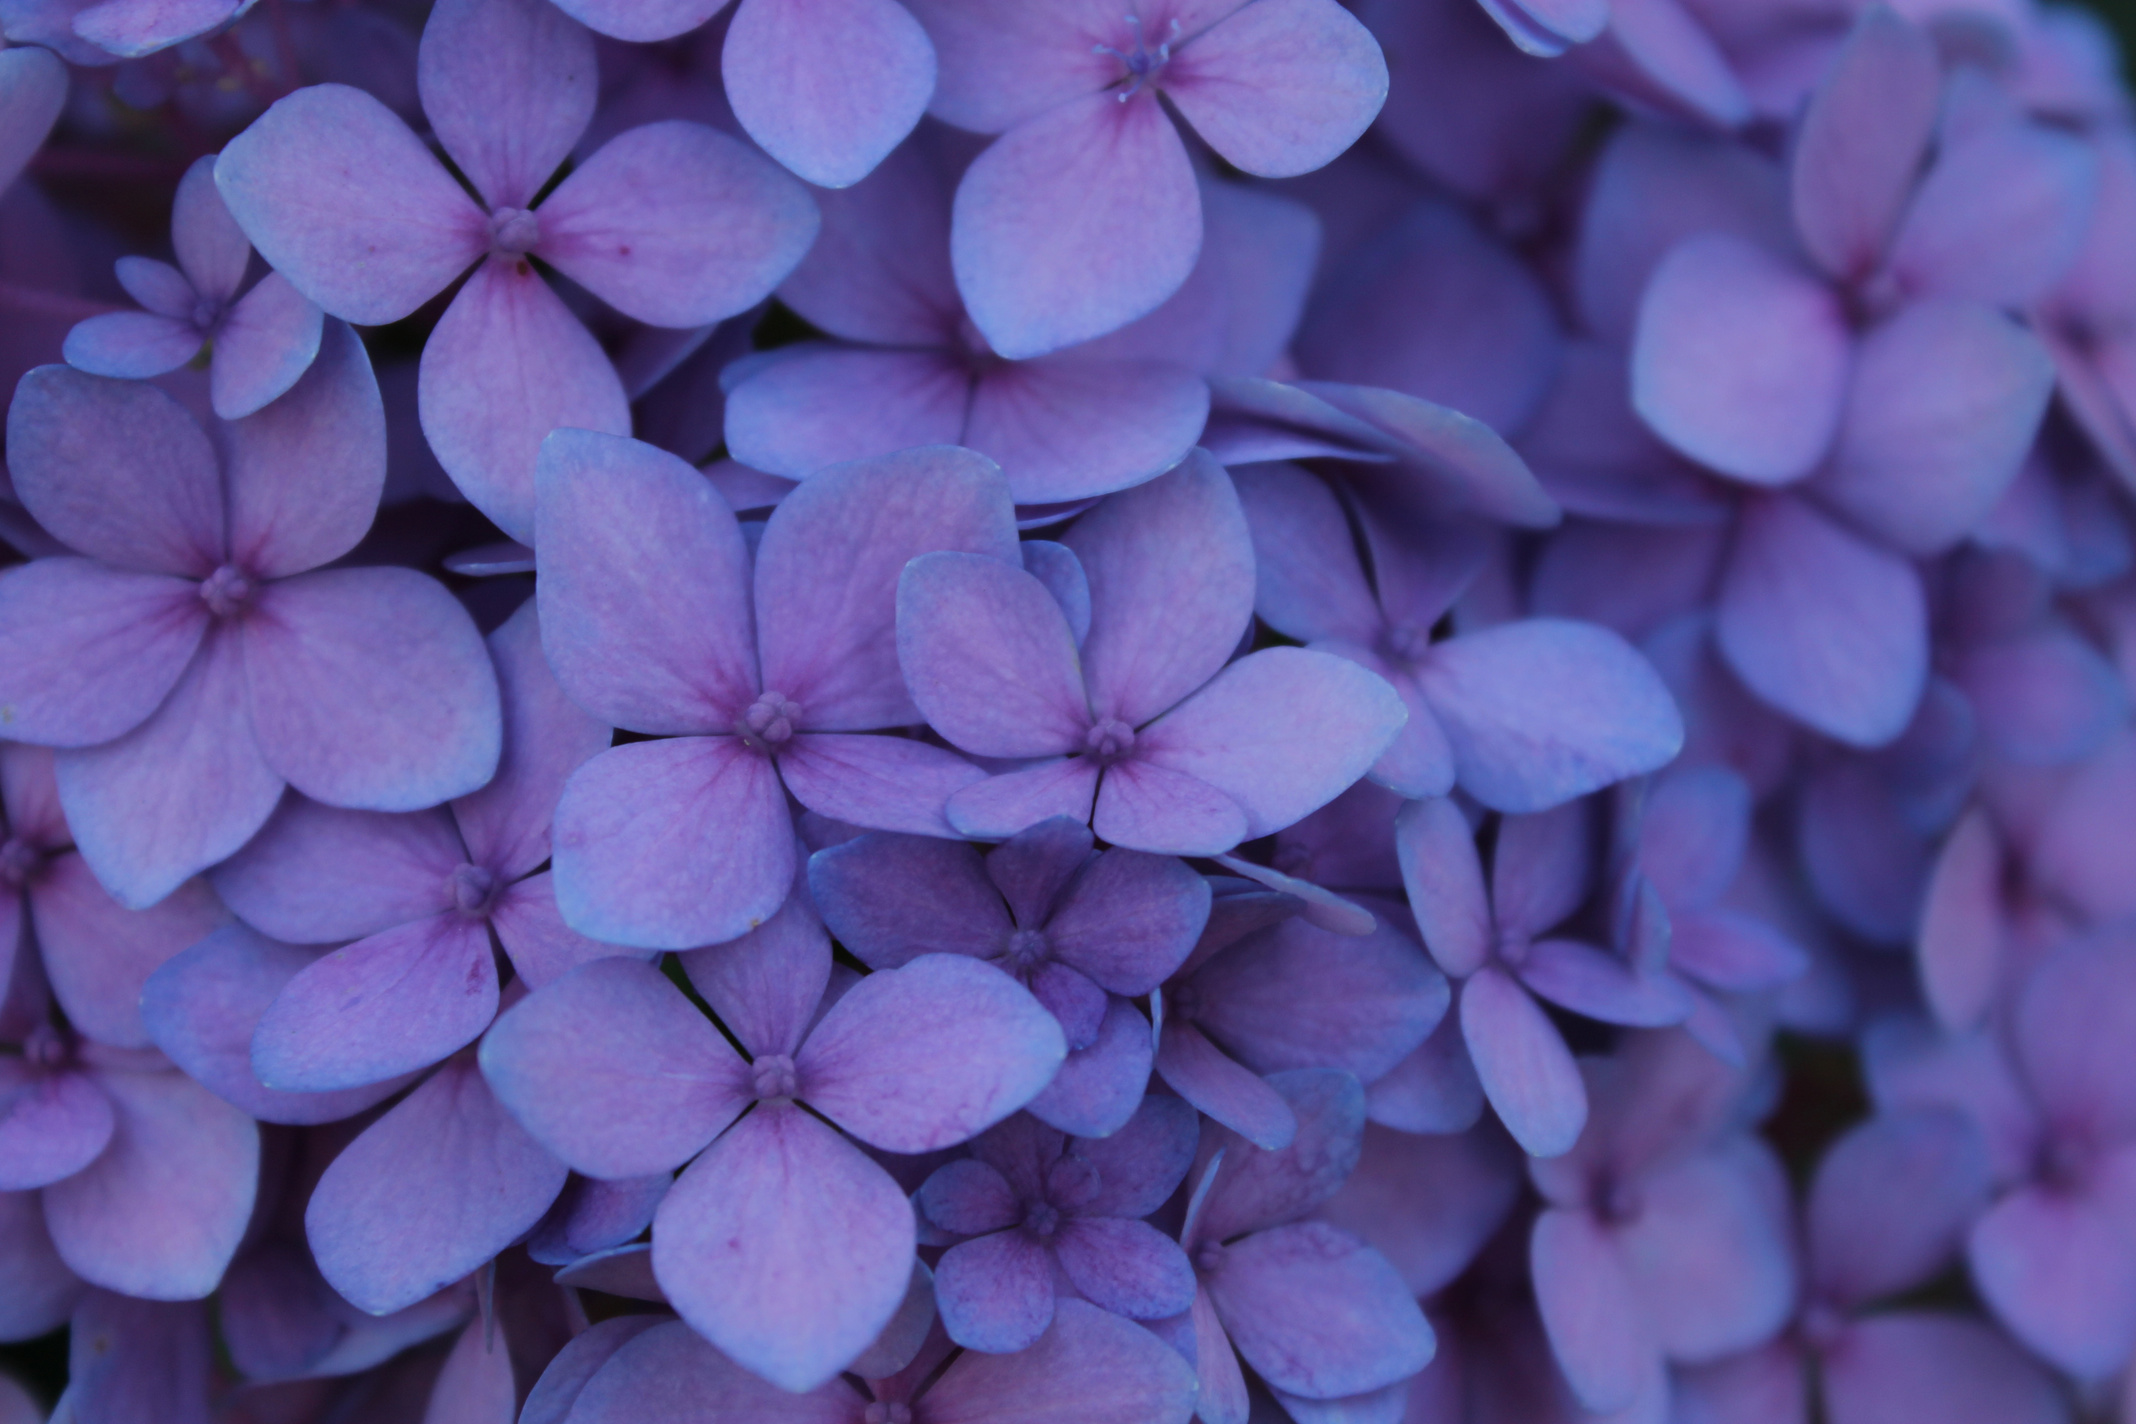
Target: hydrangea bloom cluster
1024	711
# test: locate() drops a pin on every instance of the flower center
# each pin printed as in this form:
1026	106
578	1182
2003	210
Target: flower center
1141	62
18	860
47	1047
1406	642
770	721
1110	740
1027	949
887	1412
1042	1218
1822	1323
207	315
474	890
227	591
514	231
1619	1203
774	1077
2065	1161
1209	1257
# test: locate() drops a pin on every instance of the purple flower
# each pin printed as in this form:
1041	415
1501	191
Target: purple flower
1497	944
1663	1234
260	343
1478	707
1144	732
1084	215
782	1243
909	368
1034	1203
1548	28
1317	1313
762	672
673	223
1084	933
91	32
33	88
423	895
187	662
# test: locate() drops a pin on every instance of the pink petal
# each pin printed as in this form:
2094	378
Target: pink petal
371	688
989	657
180	792
160	1213
508	86
827	575
317	874
1740	360
785	1247
928	1055
52	1125
383	1006
615	1071
1824	625
340	197
507	364
643	587
1074	224
829	112
1527	1072
673	844
677	224
820	405
201	1009
1065	428
1092	1367
1861	143
264	344
131	344
117	470
1280	87
429	1192
98	954
1946	399
304	475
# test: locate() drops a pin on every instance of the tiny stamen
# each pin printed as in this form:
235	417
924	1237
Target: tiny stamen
770	722
226	591
474	890
514	231
1142	63
774	1077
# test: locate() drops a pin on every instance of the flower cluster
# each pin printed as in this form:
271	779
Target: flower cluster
1020	711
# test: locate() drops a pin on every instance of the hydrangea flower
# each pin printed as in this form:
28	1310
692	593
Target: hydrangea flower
189	657
259	343
672	223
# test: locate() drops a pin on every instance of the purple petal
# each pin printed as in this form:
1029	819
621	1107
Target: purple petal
1585	1296
160	1213
1318	1313
643	20
383	1006
1282	87
1694	833
768	986
316	874
635	223
1962	932
1309	582
1153	808
989	656
1127	1267
890	898
433	1189
827	575
265	343
1142	1163
1428	1202
508	86
211	249
1091	1368
969	1198
785	1247
925	1056
371	688
1068	427
1100	1086
1238	735
671	1369
995	1293
475	1386
1129	920
1444	880
98	954
2071	1033
180	792
541	946
201	1009
36	90
342	199
645	1081
1891	1202
1901	1366
1945	401
1527	1072
879	271
135	31
117	470
1711	1253
134	345
1433	1090
1740	361
1598	984
158	286
828	112
130	1360
42	1289
304	475
1074	224
52	1125
1449	463
1824	625
2046	698
1517	749
573	1367
1003	805
1861	143
880	783
820	405
1229	1093
1257	1187
643	586
507	364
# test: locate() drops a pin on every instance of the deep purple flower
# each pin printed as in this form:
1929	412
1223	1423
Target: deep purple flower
188	663
259	343
1084	932
1146	733
782	1243
1032	1203
1084	215
762	671
673	223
